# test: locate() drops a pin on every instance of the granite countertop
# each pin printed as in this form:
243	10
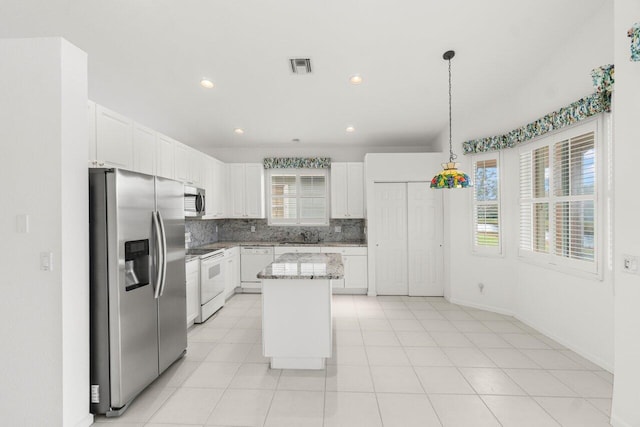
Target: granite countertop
304	266
227	244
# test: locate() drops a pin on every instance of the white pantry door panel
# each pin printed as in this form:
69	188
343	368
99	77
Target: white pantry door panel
425	240
391	238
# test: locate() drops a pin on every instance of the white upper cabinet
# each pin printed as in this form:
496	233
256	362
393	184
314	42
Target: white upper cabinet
164	157
117	141
189	165
114	139
196	167
208	187
246	190
216	195
236	190
347	190
254	190
144	149
181	162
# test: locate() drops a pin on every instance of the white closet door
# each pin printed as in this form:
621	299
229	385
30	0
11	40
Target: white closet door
391	238
425	240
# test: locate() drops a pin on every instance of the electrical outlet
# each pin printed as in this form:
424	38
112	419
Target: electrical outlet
253	228
338	229
630	264
187	237
216	228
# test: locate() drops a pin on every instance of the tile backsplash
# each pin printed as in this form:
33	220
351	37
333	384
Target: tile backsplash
210	231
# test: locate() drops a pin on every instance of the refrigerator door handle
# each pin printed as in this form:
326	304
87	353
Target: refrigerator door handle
164	253
159	253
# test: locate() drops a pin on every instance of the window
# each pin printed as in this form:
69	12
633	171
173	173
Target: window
298	196
486	205
558	199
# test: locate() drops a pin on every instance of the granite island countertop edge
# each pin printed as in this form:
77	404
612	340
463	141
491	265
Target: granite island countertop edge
231	244
334	267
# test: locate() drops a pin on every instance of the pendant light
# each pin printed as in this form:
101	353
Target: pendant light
450	177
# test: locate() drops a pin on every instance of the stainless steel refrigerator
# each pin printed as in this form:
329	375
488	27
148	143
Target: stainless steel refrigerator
138	291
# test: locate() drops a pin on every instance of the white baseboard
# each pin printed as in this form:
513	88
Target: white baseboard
587	355
617	422
86	421
592	358
480	306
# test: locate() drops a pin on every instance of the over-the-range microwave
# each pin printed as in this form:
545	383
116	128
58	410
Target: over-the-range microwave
194	201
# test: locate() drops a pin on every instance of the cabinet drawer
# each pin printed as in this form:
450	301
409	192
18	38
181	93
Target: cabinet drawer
345	250
279	250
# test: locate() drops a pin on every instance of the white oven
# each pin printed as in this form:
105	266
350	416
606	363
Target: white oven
212	282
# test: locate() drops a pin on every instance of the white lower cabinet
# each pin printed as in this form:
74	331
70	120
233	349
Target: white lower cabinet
232	271
354	260
192	271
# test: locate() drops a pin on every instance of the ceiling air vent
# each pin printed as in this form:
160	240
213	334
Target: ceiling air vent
300	65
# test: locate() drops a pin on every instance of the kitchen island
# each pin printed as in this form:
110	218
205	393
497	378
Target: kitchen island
296	309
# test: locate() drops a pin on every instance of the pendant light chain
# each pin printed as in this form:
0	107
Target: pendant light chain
452	156
450	177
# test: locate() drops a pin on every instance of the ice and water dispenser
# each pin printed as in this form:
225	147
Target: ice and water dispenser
136	265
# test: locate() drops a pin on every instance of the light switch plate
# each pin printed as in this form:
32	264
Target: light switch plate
338	229
46	261
253	228
187	237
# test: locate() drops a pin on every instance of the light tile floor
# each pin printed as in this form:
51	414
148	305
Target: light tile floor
398	361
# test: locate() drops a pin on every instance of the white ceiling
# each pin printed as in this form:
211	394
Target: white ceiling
146	58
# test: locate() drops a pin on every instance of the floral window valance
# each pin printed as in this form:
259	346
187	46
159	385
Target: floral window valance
634	33
600	101
297	162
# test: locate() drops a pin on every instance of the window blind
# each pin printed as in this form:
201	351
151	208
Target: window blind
298	197
486	209
558	204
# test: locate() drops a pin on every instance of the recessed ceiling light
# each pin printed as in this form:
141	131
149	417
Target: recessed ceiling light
238	131
356	79
350	129
206	83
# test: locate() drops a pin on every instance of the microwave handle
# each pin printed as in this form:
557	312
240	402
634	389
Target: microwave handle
200	203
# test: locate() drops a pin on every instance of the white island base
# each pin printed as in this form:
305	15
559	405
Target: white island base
296	322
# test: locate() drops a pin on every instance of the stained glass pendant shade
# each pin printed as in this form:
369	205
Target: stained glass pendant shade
450	176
